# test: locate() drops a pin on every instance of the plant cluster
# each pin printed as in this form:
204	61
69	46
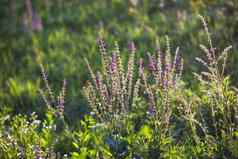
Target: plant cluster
112	92
178	123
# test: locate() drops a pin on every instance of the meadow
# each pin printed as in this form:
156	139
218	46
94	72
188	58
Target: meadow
133	79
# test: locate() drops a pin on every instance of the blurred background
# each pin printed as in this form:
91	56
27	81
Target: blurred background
60	33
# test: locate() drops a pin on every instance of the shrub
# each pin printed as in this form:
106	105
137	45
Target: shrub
111	92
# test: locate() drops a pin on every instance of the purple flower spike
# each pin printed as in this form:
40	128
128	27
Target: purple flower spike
38	153
151	109
113	64
152	63
131	47
100	40
61	103
36	22
162	58
101	43
152	66
178	64
141	66
98	81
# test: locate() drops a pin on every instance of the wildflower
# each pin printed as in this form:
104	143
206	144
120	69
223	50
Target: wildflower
36	22
103	51
131	47
152	108
101	44
113	64
61	99
45	79
114	88
148	89
104	59
38	152
32	19
141	67
130	71
152	63
51	102
98	81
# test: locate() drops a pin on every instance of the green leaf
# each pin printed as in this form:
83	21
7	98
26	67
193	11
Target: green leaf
75	155
75	145
146	131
